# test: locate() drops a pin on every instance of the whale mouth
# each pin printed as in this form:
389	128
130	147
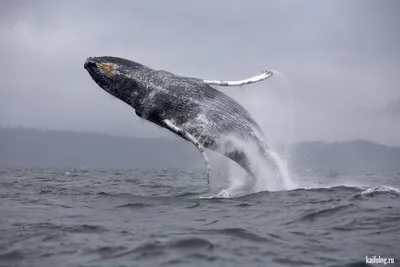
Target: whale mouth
90	64
92	67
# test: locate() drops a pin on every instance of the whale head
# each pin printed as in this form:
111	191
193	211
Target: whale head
117	76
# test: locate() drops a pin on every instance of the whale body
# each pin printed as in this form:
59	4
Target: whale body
186	106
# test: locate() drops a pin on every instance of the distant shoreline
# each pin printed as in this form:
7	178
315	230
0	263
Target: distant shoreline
25	147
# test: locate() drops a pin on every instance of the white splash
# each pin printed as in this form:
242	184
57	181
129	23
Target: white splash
274	111
268	177
382	188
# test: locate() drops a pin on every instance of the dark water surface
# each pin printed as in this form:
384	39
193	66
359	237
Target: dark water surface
158	218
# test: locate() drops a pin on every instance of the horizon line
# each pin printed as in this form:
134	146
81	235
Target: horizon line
45	129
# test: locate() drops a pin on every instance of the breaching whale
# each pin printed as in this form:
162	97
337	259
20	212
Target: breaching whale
187	106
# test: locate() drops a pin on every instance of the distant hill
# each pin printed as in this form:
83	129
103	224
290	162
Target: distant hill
351	155
58	149
62	149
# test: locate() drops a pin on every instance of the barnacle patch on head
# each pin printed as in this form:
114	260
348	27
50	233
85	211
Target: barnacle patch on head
108	68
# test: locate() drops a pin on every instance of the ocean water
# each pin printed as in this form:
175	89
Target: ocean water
79	217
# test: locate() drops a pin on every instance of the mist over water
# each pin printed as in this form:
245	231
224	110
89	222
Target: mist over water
271	103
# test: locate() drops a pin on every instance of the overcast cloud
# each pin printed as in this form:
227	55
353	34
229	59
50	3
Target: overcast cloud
341	59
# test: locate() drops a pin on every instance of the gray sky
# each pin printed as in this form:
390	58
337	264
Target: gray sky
341	59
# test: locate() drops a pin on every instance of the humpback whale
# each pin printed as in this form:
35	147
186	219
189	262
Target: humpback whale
187	106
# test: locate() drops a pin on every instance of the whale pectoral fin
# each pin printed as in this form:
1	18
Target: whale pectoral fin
193	140
263	76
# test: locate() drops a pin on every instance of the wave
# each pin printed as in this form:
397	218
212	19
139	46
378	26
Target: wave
241	234
381	189
323	213
185	247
